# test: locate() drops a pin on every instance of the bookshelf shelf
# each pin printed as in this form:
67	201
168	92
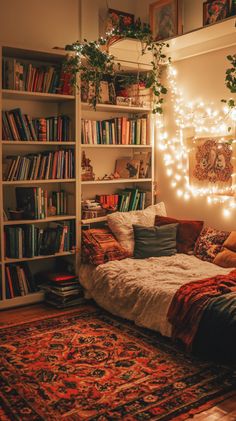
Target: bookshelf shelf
22	182
35	96
38	221
22	300
118	181
28	115
36	143
94	220
116	108
117	146
28	259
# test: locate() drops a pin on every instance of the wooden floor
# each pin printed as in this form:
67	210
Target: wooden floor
224	411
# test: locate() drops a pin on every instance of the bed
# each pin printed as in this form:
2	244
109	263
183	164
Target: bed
188	292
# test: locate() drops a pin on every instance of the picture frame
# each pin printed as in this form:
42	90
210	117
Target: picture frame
119	20
165	19
215	11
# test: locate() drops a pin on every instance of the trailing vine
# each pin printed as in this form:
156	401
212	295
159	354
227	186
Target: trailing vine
93	61
230	80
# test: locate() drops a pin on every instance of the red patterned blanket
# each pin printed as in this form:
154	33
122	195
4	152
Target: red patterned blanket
190	301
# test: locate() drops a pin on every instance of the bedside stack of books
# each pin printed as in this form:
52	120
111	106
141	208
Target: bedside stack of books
63	290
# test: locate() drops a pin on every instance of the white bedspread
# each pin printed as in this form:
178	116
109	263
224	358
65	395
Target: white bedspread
142	290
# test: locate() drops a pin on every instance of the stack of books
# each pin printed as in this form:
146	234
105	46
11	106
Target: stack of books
63	290
19	280
24	76
116	131
41	166
92	209
19	126
30	240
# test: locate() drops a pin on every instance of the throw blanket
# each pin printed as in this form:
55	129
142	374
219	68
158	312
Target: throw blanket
190	301
216	335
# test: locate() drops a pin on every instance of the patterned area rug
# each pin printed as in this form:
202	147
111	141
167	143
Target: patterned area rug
89	365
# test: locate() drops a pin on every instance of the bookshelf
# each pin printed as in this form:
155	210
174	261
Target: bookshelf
103	157
36	98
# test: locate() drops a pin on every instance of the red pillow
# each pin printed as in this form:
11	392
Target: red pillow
100	246
187	232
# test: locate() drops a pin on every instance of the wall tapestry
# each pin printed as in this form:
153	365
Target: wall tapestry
211	164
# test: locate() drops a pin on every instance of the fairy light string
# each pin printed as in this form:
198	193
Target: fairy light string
201	120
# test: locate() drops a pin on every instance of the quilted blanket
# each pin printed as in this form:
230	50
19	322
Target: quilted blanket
142	289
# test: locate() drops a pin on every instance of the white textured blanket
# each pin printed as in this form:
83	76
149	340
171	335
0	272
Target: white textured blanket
142	290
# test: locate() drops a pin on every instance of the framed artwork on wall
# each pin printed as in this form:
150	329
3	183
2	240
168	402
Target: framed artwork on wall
215	10
119	20
165	19
212	163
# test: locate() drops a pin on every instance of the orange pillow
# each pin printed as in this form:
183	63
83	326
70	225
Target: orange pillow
230	242
226	258
187	232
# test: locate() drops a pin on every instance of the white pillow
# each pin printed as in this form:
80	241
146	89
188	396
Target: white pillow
121	223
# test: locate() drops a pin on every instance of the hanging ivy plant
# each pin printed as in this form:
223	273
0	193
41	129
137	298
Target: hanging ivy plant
230	80
94	63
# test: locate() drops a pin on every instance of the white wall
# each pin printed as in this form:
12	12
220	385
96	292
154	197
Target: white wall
198	77
39	24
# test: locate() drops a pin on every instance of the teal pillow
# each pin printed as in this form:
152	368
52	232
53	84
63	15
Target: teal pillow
154	241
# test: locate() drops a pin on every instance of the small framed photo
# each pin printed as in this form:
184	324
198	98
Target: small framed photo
215	10
119	20
165	19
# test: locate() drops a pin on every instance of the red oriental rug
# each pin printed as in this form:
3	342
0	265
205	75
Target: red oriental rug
89	365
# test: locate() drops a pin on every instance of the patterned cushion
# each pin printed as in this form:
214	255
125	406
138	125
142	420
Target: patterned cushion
187	232
227	256
209	243
100	246
121	223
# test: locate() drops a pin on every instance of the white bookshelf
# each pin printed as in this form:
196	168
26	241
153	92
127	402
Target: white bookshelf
37	105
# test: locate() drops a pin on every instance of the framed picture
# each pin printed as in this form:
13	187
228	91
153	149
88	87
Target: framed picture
119	20
211	163
127	167
215	10
165	19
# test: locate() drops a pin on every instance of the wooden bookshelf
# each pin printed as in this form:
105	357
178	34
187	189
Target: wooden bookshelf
118	181
40	105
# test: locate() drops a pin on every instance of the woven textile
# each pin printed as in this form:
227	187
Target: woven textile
87	365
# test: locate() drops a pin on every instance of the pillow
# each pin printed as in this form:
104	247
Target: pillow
209	243
230	242
154	241
100	246
187	232
121	223
227	256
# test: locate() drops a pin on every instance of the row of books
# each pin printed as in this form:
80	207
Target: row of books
115	131
62	289
35	201
42	166
24	76
126	200
30	240
19	126
19	280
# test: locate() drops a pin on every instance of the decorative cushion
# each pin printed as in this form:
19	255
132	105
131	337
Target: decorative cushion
100	246
121	223
227	256
230	242
154	241
187	232
209	243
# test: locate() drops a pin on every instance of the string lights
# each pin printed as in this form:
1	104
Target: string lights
201	120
